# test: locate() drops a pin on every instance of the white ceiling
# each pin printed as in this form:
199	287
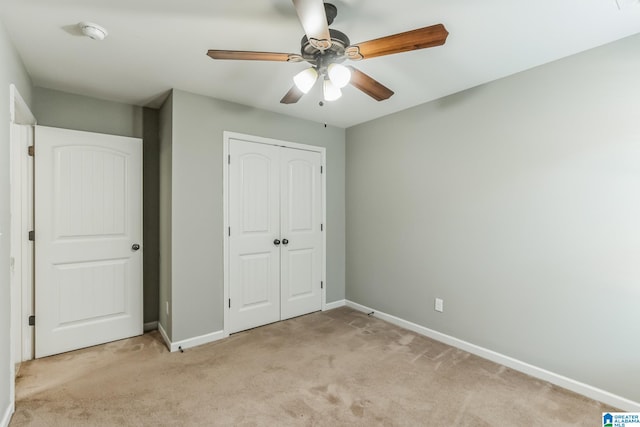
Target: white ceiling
156	45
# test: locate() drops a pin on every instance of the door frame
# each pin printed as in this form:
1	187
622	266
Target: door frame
227	137
20	294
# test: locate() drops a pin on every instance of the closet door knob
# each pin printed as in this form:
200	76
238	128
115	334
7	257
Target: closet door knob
276	242
285	242
135	246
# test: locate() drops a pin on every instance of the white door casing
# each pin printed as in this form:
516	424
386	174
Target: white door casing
88	216
254	206
300	219
300	262
21	247
21	253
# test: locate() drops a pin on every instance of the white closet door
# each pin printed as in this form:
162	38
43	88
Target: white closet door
300	212
88	217
254	220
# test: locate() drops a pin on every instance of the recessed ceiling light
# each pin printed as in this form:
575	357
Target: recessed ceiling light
94	31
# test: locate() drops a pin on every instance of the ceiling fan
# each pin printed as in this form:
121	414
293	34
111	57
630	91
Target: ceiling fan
325	49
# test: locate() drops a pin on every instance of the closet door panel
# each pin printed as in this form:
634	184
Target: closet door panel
300	219
254	219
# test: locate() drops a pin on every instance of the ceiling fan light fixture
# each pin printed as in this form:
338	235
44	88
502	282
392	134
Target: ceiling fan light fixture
326	48
339	75
331	92
305	79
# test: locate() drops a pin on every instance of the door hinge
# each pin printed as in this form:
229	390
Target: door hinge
321	285
321	227
32	320
229	302
32	236
229	231
321	169
229	159
31	150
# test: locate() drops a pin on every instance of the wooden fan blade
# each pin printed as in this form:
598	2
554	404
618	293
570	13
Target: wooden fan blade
421	38
368	85
292	96
314	21
254	56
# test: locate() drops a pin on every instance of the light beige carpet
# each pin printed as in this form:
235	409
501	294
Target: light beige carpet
334	368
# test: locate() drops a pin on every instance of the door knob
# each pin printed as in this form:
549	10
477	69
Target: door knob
285	242
135	246
276	242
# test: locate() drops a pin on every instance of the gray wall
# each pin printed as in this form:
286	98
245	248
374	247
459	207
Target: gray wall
518	202
151	212
11	71
197	214
69	111
166	146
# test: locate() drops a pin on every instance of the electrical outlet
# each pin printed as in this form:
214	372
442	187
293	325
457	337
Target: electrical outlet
166	303
439	305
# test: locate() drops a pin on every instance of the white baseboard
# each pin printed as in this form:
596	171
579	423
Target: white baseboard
543	374
150	326
334	304
196	341
190	342
8	412
164	336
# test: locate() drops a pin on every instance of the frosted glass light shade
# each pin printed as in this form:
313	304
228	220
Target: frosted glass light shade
339	75
331	91
305	79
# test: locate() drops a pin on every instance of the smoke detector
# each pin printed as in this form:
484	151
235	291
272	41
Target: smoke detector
94	31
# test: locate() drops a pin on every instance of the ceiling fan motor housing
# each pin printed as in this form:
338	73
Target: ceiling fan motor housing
334	54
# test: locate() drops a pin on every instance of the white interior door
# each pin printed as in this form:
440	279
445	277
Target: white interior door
254	221
300	218
88	219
